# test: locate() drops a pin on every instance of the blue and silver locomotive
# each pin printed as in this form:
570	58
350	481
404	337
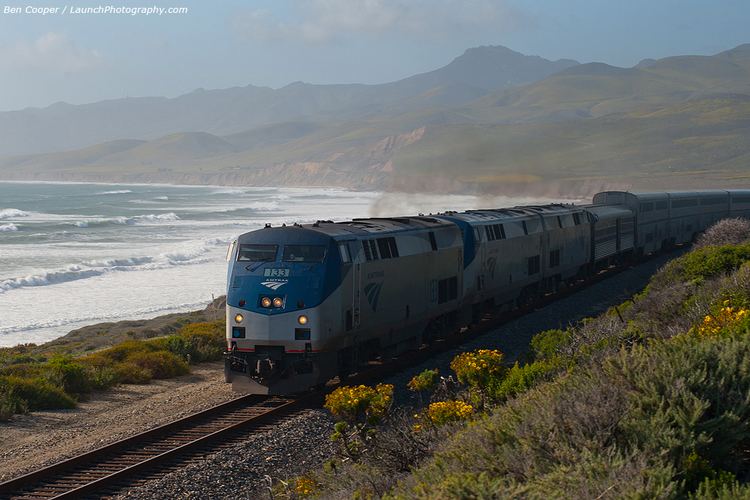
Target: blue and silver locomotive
306	303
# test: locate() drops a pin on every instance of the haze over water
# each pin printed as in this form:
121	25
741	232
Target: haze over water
78	254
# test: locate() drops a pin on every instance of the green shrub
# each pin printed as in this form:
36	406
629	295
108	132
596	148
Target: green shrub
160	364
37	393
10	403
130	373
100	370
546	345
26	370
706	262
206	341
70	375
128	348
689	396
520	378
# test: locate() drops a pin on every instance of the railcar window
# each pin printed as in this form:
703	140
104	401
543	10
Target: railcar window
577	219
525	227
371	249
366	248
304	253
714	200
690	202
661	205
559	222
257	253
495	232
647	207
554	258
534	265
447	289
740	199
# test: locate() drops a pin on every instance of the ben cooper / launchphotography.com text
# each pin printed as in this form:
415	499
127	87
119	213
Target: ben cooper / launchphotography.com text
100	9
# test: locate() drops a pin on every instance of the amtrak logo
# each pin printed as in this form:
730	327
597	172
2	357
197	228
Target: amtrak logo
491	264
274	285
372	291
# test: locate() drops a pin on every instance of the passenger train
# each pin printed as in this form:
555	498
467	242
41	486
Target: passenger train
306	303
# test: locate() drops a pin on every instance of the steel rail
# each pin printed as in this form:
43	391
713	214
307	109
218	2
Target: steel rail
123	462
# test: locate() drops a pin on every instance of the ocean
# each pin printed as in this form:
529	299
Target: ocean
77	254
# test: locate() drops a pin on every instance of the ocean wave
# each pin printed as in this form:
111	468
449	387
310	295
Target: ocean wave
161	198
8	227
171	216
117	191
12	213
127	221
71	273
191	254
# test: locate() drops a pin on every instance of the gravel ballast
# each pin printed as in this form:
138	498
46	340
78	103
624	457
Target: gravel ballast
298	444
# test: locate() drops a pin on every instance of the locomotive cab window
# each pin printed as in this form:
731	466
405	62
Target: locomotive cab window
257	253
304	253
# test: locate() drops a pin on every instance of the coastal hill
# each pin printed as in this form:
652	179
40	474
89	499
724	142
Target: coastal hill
490	121
64	126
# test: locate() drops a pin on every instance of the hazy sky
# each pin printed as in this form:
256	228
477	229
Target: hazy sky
88	57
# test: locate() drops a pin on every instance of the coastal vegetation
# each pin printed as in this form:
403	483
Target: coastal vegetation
33	378
650	399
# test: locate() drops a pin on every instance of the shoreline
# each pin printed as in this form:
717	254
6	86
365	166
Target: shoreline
105	334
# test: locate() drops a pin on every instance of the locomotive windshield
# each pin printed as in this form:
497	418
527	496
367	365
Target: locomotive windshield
257	253
304	253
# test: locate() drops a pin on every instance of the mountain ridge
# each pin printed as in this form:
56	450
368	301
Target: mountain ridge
63	126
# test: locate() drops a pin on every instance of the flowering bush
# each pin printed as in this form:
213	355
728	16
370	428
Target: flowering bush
305	486
728	316
478	368
442	412
352	403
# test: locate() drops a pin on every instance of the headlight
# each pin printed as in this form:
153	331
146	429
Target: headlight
238	318
277	302
302	320
265	302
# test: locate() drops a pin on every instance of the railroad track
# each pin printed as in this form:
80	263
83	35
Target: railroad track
127	463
